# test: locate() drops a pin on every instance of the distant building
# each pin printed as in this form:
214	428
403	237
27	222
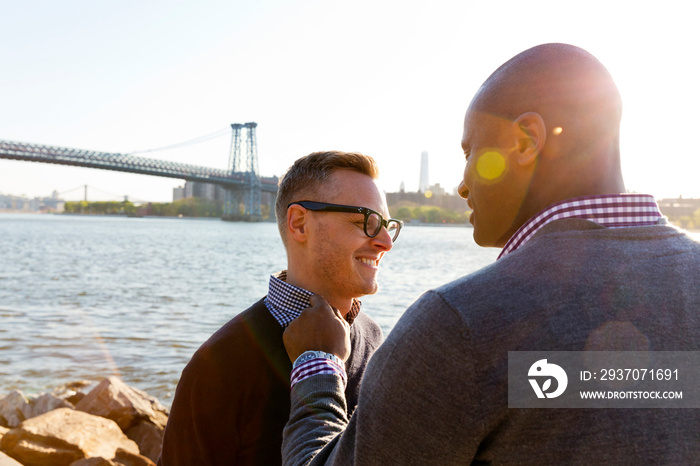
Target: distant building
436	198
423	185
217	193
178	193
437	190
12	203
213	192
53	204
678	207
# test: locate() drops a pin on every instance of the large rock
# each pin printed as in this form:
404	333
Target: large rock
125	405
63	436
12	408
148	437
3	431
43	404
131	459
7	461
95	461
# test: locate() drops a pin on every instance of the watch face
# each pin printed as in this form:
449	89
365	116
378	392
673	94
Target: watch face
309	355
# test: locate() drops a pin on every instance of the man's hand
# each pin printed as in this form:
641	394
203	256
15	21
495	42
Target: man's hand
318	328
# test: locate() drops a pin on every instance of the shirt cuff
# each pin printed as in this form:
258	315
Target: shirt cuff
313	363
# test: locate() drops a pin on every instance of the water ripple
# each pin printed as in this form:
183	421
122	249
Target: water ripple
88	297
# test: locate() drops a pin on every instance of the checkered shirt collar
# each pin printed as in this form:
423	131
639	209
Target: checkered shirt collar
608	210
285	302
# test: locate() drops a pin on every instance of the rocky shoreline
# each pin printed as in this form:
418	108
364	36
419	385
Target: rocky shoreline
111	424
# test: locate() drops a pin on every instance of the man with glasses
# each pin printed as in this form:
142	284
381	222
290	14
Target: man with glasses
232	400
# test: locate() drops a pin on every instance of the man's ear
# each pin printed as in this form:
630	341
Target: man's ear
531	136
297	216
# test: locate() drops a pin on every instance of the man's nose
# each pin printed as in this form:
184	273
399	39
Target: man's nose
462	190
383	240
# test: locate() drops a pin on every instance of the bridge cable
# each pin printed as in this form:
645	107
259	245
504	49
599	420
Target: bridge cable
106	192
82	186
117	196
200	139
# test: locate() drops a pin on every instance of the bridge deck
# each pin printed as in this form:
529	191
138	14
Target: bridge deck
130	164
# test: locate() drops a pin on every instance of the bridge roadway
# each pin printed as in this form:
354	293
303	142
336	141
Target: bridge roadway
130	164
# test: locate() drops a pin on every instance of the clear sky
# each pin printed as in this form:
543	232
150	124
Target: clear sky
387	78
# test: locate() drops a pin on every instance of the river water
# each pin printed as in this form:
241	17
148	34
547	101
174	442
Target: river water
87	297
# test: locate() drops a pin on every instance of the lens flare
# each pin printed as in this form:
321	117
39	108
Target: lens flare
491	165
557	131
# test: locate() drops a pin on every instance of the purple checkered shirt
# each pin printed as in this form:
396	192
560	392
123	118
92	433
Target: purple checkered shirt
608	210
317	366
285	302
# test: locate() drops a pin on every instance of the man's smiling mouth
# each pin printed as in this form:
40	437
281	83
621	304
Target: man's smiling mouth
367	261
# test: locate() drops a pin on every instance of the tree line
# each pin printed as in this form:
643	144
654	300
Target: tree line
429	214
687	222
190	207
201	207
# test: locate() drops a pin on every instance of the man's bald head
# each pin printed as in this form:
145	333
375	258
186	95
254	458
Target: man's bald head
581	108
543	127
558	81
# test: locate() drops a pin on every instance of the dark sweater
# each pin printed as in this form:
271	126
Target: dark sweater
232	401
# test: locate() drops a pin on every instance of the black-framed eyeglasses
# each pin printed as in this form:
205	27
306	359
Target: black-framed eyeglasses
373	219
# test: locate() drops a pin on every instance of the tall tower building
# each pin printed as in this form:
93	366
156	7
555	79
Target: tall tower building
423	185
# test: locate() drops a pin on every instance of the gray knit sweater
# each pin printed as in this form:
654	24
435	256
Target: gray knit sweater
436	391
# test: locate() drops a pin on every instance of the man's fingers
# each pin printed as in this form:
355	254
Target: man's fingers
315	300
319	302
319	327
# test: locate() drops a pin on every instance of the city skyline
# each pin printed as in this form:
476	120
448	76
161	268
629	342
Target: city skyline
389	79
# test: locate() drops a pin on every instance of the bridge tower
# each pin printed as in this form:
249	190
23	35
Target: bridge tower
253	193
234	157
233	197
248	169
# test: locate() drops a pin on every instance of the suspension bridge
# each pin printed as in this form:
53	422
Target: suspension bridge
241	180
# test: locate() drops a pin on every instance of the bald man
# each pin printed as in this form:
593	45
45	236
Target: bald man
583	267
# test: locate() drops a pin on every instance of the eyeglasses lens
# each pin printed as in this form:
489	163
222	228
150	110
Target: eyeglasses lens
374	224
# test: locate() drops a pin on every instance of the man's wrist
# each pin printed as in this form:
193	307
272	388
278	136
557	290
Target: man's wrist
309	355
312	363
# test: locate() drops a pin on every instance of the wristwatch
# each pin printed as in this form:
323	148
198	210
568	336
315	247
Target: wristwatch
309	355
